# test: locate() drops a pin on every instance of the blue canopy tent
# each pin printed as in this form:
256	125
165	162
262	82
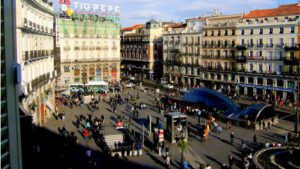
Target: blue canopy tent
213	99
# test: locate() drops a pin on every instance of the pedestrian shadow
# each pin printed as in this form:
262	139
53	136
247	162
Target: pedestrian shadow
74	123
213	159
108	109
280	127
221	139
156	160
236	161
80	133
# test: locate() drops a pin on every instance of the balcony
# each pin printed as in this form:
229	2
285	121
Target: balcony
98	48
114	48
241	47
91	48
291	61
261	58
290	47
270	45
76	48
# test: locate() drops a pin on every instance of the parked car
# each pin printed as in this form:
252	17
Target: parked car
129	85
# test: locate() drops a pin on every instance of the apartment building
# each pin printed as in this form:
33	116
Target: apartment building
218	56
268	50
35	54
182	46
89	49
142	50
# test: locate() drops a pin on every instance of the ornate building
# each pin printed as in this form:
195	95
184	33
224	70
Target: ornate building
35	53
142	50
219	54
268	45
182	46
89	49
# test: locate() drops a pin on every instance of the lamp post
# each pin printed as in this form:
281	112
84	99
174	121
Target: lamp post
296	118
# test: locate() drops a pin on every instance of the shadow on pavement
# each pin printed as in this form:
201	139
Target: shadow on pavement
56	151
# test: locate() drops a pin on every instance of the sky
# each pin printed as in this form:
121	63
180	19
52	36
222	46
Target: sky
140	11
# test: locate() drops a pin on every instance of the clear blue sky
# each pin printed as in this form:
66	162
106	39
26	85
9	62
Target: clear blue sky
140	11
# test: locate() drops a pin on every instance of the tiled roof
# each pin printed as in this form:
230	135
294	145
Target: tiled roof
133	27
282	10
176	25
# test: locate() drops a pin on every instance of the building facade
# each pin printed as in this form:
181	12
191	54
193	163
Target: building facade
35	54
218	57
89	49
142	50
268	46
182	51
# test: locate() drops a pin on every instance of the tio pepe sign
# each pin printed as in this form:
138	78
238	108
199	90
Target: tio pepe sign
71	7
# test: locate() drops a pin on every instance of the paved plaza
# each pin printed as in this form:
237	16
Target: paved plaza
214	151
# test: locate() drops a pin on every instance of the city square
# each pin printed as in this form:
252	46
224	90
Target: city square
214	151
88	84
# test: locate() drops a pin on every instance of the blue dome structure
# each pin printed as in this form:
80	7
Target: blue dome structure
254	113
213	99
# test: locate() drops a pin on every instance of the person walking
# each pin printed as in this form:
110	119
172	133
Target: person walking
77	123
231	137
86	134
230	161
167	162
255	139
88	125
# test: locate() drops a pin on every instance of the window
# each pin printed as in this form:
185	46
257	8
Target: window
281	30
280	55
260	42
242	32
292	55
280	41
260	67
292	42
232	32
250	53
219	32
226	32
261	31
66	69
292	29
242	41
260	53
251	31
251	67
212	33
280	68
271	31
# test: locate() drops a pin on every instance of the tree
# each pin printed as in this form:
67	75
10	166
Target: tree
183	145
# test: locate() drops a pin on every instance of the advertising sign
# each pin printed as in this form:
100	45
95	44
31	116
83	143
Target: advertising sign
108	9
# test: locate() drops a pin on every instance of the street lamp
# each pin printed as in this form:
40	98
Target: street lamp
296	118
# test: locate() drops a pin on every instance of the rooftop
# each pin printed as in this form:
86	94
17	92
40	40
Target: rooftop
137	26
282	10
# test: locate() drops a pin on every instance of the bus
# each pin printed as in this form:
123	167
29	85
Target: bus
98	87
76	87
